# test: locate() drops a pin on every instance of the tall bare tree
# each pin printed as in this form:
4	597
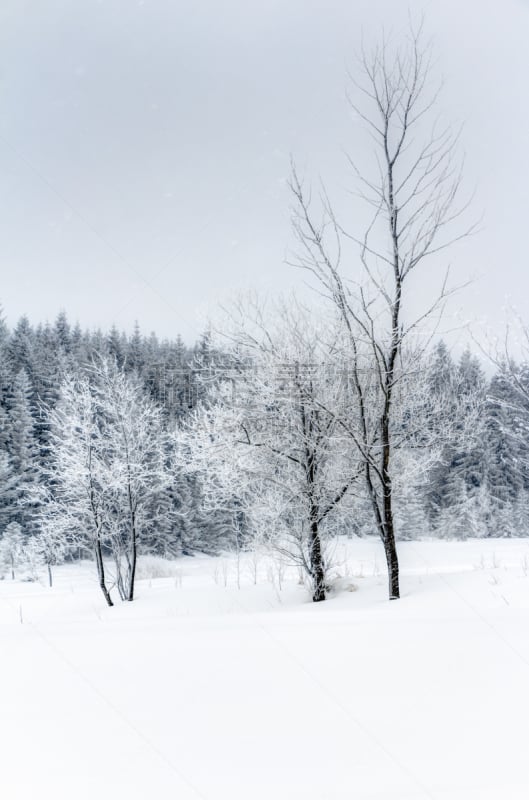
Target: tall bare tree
412	194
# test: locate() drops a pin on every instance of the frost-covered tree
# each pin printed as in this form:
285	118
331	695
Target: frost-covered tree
73	492
107	470
20	348
134	447
23	448
454	491
8	490
135	355
411	521
48	548
4	358
115	346
267	443
506	440
471	393
12	548
62	332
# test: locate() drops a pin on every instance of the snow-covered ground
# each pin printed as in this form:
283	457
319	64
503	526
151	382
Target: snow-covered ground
200	689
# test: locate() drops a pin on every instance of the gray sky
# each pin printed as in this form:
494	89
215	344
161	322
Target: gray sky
144	147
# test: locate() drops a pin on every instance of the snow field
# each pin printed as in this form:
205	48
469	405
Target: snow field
202	690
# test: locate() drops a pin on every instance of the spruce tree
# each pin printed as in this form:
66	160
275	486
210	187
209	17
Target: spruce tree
62	332
504	452
20	348
23	448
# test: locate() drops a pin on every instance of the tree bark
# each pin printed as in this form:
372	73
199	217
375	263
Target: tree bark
316	564
388	533
119	578
101	573
133	557
393	564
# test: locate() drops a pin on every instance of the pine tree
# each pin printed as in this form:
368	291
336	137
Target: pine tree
114	344
20	348
469	460
442	381
50	363
4	331
8	490
505	456
442	370
4	429
454	493
76	342
5	371
410	516
22	448
62	332
135	354
12	548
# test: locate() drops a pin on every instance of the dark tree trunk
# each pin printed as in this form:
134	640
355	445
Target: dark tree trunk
133	557
384	521
388	536
101	573
97	542
393	564
50	576
119	580
316	564
390	547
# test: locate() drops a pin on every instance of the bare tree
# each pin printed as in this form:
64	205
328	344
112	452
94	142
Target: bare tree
412	193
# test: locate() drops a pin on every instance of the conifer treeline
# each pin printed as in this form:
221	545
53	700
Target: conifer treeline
481	486
33	361
482	490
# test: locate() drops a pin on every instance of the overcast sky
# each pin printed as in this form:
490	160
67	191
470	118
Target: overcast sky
144	147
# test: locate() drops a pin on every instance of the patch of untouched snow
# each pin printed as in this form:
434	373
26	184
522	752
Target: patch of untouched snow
202	690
